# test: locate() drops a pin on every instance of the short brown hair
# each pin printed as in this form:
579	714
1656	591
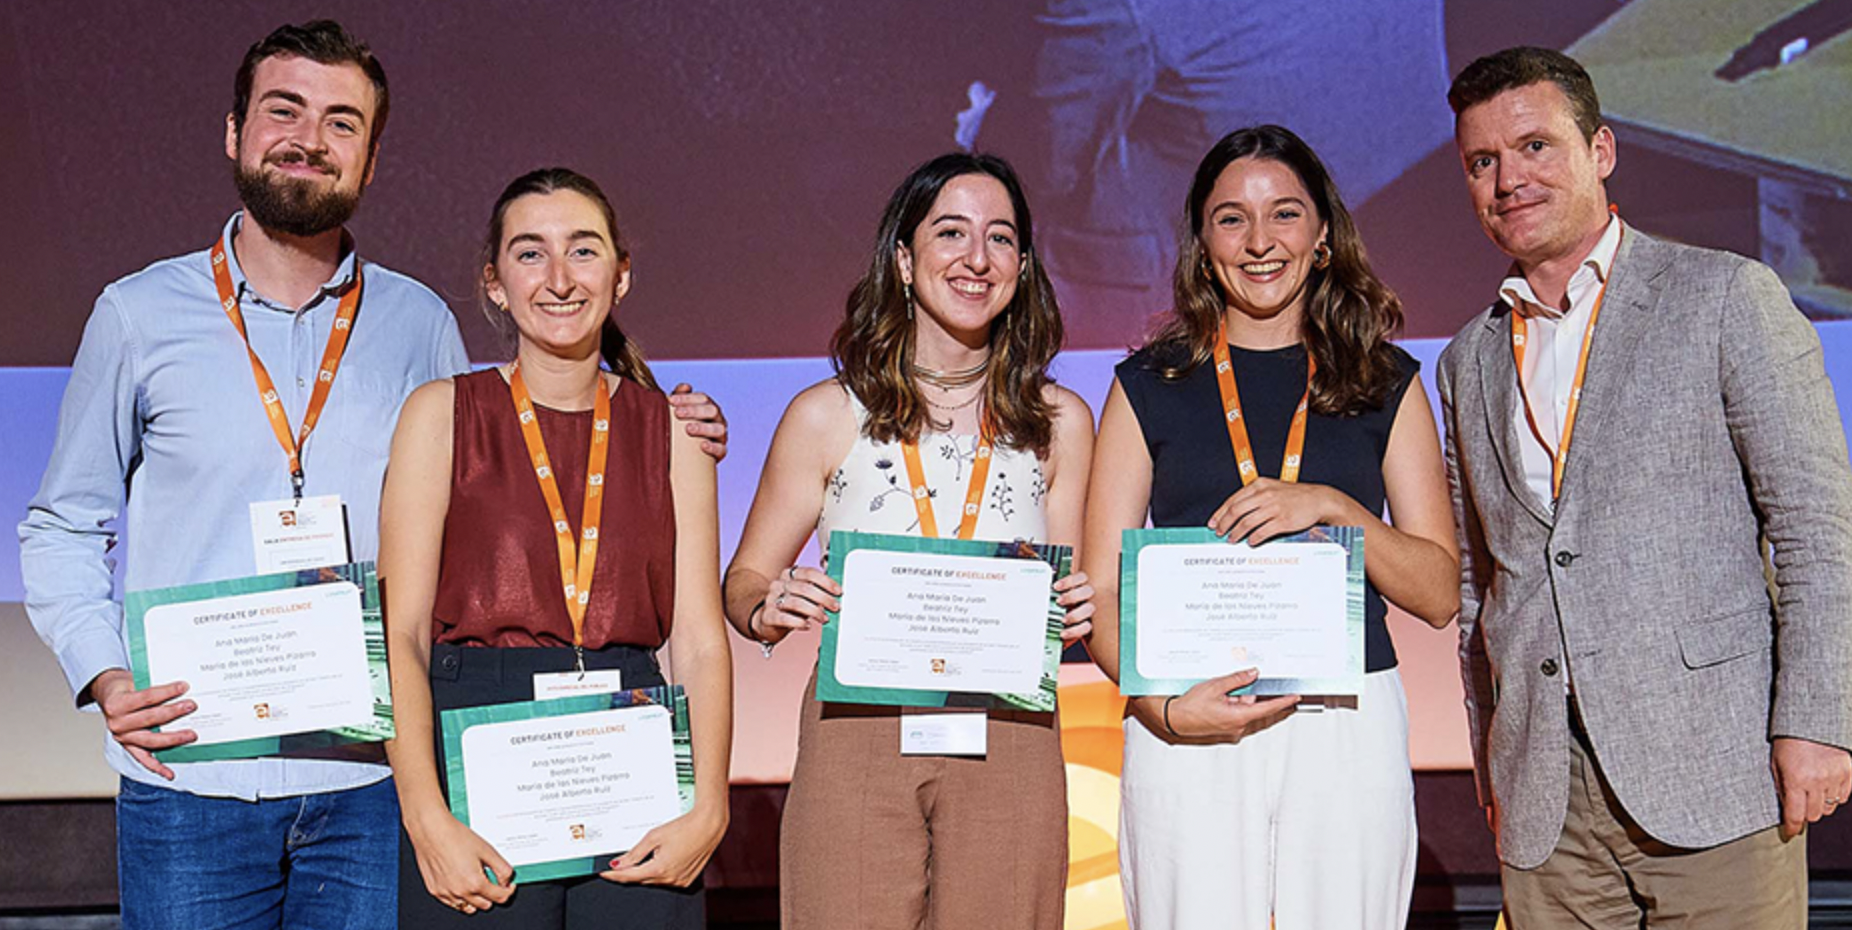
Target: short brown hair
322	41
1523	66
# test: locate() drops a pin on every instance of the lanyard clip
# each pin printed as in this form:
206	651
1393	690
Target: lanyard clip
296	481
578	653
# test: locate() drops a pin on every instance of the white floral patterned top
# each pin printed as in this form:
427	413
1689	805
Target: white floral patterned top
870	492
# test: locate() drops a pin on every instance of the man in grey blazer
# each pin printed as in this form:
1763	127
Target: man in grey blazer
1653	722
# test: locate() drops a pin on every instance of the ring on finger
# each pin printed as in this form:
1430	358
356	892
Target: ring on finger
780	602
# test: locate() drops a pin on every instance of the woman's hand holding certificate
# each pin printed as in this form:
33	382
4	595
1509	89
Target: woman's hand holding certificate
1211	712
1268	508
456	863
1074	594
799	599
674	853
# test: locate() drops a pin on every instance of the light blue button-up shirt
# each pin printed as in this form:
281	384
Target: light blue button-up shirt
162	397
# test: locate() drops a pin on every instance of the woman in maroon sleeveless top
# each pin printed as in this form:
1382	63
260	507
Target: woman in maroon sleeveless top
498	576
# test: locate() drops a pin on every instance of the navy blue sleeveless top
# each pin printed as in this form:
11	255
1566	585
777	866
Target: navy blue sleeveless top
1193	467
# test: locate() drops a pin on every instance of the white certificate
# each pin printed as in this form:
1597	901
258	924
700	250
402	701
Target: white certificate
265	664
929	622
1209	609
571	786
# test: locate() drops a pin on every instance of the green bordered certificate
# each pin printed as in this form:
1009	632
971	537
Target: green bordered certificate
943	622
1194	606
558	787
279	664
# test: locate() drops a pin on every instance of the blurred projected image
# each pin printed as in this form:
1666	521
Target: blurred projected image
1134	92
1753	90
751	137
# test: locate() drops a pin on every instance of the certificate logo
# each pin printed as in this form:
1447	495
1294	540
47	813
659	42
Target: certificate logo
938	666
578	831
581	833
262	711
286	517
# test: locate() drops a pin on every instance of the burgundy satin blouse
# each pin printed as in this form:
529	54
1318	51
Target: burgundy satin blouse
499	581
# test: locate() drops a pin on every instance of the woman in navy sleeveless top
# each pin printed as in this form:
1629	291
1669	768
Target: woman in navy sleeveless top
1237	811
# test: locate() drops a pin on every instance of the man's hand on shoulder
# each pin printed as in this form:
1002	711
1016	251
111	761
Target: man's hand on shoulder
132	716
703	418
1813	779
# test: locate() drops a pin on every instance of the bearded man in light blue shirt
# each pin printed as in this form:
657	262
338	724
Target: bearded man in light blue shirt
163	402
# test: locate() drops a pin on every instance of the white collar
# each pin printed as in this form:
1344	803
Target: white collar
1516	290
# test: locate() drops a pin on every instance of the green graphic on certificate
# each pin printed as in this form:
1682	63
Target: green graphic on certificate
559	787
1194	606
279	664
943	622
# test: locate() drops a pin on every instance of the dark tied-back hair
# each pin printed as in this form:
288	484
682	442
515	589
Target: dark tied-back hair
1349	313
322	41
1523	66
621	354
873	347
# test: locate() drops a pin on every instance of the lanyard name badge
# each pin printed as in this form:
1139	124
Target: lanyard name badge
1559	452
577	557
958	734
1237	425
295	533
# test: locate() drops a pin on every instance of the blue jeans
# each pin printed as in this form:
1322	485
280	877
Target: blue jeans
314	862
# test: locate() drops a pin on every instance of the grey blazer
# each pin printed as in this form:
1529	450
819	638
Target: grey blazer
1706	424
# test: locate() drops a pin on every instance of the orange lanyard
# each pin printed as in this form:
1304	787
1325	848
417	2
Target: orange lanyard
1520	330
267	389
576	559
1237	425
974	495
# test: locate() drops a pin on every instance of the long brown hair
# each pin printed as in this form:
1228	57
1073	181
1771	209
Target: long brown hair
873	347
621	354
1349	312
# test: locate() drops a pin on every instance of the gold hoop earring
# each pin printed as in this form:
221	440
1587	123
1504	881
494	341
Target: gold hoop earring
1321	256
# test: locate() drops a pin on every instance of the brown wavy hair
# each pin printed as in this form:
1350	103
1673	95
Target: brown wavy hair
1349	313
621	354
873	347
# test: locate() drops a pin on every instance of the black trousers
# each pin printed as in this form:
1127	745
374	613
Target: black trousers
467	676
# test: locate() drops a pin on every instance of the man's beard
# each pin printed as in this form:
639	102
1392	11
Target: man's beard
293	206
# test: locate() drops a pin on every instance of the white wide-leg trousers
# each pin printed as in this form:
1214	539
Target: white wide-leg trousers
1309	825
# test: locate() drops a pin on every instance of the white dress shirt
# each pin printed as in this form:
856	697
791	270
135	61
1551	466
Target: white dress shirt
1551	351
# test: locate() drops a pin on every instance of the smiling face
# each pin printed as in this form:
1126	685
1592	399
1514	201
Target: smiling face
303	155
1260	233
1536	182
557	271
963	261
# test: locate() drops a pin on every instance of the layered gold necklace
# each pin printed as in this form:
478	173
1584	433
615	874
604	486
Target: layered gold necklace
949	381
